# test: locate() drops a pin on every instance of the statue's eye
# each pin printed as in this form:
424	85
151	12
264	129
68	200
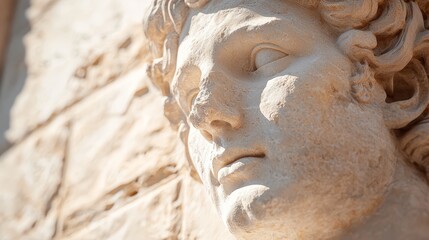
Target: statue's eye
265	54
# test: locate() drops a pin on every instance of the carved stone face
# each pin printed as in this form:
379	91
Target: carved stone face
275	134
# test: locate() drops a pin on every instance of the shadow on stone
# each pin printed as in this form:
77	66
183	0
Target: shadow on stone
14	73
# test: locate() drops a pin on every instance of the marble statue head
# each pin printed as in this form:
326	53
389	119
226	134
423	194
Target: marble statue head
303	119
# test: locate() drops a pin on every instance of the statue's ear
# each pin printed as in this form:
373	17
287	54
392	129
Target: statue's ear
407	95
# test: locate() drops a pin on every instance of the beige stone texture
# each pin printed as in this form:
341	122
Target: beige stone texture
86	152
221	119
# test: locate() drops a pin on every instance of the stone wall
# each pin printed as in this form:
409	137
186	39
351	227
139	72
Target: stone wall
85	150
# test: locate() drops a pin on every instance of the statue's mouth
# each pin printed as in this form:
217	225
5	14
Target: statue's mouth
235	162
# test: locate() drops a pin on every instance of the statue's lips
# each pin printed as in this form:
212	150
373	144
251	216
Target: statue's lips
232	164
240	168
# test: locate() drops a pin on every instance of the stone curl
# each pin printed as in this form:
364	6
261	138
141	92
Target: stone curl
387	40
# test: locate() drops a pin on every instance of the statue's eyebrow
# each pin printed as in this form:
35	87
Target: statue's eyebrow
252	26
255	22
254	31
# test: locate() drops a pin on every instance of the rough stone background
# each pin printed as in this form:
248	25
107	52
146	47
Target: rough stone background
85	150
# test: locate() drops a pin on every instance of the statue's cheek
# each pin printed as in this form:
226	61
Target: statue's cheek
290	101
274	96
199	151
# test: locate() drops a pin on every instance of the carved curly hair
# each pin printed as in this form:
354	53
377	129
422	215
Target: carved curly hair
387	40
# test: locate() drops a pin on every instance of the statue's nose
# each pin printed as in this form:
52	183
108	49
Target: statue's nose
215	111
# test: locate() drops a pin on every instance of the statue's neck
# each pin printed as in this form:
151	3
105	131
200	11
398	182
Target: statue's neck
404	213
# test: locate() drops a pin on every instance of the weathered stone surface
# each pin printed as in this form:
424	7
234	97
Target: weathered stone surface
200	220
90	154
132	149
301	122
31	177
304	119
86	59
132	220
164	201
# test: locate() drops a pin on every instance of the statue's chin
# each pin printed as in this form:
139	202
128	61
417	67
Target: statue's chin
248	209
252	211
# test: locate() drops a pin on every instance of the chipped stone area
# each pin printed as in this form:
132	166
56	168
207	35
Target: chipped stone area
32	174
90	52
90	154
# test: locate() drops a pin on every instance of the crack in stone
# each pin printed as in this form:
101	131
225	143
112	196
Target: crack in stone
60	191
73	224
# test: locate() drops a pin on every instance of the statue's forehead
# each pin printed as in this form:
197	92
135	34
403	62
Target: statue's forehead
209	32
208	29
230	14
